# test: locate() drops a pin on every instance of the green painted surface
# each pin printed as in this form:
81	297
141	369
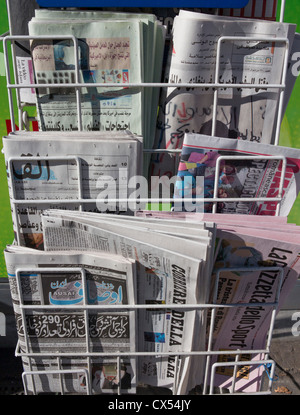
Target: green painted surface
6	233
290	130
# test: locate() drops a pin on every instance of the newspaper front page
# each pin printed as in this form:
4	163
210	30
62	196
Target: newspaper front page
73	286
67	166
246	327
153	41
114	47
110	52
193	59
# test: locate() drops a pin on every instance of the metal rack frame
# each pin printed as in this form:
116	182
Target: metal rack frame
80	201
209	353
215	86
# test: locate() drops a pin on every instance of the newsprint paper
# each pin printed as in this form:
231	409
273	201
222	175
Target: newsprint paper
258	265
72	286
183	264
241	112
171	269
250	171
66	170
113	48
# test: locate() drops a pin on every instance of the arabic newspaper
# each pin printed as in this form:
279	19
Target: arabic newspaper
113	47
51	167
165	275
107	53
239	178
193	59
249	257
66	284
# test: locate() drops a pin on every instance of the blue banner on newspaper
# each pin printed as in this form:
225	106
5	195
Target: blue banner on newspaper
145	3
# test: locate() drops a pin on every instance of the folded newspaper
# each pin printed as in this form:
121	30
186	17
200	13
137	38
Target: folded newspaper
113	48
57	299
173	268
258	265
67	170
246	171
241	112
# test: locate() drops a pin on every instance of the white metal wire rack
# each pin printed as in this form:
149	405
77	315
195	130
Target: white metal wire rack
208	386
216	85
25	351
81	202
77	86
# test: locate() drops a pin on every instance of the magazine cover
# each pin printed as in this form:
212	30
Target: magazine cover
243	177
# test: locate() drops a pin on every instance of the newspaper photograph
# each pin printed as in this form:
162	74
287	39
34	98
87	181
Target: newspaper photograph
193	59
73	286
165	275
238	177
47	167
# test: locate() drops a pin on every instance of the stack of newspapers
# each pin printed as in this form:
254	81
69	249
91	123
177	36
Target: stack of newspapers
108	296
67	170
179	285
144	265
255	263
66	283
242	177
112	48
242	69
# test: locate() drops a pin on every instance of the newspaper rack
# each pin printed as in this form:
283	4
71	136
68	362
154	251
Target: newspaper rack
80	201
87	354
77	86
235	361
